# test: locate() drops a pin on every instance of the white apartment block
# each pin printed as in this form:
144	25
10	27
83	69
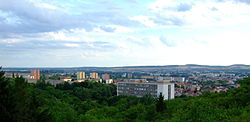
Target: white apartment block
140	89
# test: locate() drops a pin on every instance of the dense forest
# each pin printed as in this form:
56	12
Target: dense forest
92	101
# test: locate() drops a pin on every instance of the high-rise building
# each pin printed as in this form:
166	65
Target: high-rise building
80	75
105	76
141	89
35	74
94	75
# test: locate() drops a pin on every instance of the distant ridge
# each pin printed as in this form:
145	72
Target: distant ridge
137	68
239	65
195	65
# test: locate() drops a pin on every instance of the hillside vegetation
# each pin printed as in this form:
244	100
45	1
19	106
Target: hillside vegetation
92	101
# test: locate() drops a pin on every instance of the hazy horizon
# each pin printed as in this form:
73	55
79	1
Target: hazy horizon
122	66
79	33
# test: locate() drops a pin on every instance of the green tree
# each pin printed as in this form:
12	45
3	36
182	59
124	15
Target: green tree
147	99
160	105
21	100
6	104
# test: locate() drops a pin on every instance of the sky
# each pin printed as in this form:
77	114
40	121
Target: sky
77	33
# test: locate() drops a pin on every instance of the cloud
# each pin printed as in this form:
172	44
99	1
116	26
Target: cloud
184	7
145	20
206	13
131	1
168	20
2	19
60	35
30	17
167	42
107	29
13	45
36	17
12	40
244	1
71	45
128	32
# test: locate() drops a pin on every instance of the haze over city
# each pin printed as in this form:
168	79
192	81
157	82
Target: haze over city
55	33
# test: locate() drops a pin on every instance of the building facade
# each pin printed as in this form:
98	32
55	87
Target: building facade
35	75
105	76
80	75
94	75
176	79
141	89
108	81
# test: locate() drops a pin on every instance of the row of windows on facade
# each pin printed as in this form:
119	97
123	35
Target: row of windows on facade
137	85
138	89
137	93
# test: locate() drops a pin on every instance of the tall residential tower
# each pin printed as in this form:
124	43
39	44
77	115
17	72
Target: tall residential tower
94	75
80	75
35	74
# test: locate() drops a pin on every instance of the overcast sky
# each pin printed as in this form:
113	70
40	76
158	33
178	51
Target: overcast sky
58	33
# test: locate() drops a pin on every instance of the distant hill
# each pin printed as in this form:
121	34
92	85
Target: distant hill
239	65
137	68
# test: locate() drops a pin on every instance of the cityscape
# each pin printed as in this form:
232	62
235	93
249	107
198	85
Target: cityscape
124	61
191	81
